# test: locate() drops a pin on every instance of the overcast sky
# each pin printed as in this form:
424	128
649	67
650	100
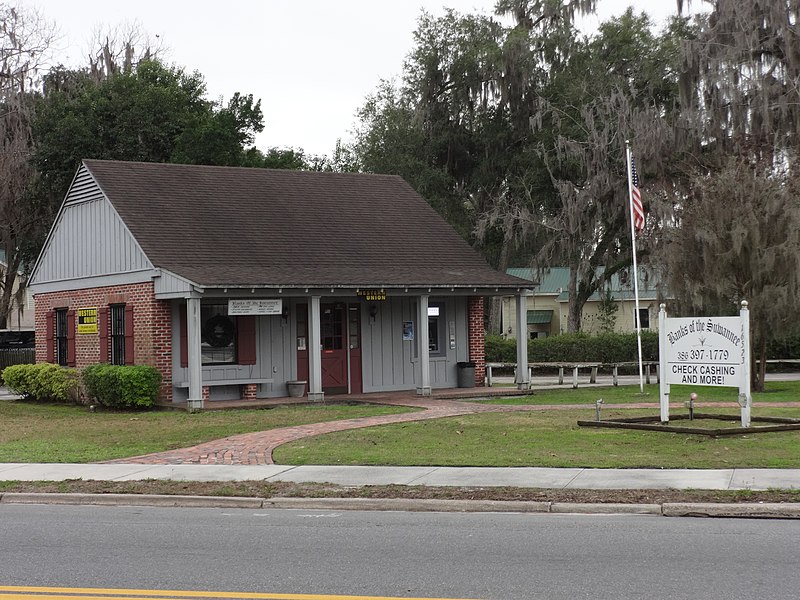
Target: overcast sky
311	62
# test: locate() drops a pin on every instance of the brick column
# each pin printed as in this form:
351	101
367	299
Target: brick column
475	333
206	392
249	391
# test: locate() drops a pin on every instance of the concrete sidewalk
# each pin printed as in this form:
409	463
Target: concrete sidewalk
533	477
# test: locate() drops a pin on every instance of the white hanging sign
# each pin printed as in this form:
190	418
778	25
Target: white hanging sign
255	306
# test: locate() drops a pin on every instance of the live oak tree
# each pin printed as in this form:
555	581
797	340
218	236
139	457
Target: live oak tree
516	133
600	91
733	236
738	238
458	126
24	39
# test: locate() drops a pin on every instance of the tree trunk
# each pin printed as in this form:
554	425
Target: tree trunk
7	286
574	306
760	368
495	302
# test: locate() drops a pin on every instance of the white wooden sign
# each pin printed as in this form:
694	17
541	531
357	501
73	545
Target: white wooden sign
705	351
255	306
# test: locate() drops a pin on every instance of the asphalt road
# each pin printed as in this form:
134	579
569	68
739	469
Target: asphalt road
395	554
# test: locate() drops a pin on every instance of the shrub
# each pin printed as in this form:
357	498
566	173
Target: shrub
576	347
117	386
499	349
43	382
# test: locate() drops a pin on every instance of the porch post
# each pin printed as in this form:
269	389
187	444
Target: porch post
523	379
423	350
315	392
193	327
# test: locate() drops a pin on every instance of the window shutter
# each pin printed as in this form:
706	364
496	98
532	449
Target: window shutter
129	357
71	338
184	338
246	340
102	325
50	336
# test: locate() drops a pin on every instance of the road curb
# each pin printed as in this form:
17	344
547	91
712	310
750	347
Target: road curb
409	504
131	500
607	508
764	510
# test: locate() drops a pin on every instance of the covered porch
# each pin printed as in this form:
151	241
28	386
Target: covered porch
350	344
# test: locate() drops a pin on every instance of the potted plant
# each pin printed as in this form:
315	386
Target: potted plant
297	388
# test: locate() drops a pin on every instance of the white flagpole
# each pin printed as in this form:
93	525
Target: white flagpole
635	269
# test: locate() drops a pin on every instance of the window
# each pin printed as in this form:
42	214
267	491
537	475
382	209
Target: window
117	318
332	326
218	335
61	334
436	328
644	318
354	327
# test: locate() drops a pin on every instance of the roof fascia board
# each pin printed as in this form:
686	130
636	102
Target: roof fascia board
391	292
82	283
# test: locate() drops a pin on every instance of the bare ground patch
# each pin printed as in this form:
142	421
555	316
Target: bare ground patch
322	490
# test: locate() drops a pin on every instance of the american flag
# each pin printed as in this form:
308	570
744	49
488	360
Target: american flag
636	195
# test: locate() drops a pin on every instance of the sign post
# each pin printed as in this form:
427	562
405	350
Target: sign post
705	351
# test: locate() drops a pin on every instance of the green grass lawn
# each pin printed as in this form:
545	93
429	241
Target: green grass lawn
57	433
549	438
775	391
32	432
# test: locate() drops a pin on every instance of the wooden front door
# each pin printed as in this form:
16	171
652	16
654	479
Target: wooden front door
333	335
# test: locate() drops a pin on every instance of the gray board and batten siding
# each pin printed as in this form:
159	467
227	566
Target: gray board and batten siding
389	363
92	242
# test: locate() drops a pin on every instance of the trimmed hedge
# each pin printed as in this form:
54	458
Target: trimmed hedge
576	347
43	382
117	386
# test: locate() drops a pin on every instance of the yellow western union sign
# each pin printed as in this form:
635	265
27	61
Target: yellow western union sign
87	320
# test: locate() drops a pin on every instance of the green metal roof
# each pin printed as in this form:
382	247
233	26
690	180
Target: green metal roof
555	281
538	317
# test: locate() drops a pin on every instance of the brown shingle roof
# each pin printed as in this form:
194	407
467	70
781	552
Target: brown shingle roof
220	226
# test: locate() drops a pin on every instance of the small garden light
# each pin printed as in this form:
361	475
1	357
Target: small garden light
690	405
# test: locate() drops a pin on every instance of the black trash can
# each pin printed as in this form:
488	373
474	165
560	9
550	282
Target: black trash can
466	374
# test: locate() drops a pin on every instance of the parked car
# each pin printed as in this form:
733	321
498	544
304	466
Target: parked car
17	339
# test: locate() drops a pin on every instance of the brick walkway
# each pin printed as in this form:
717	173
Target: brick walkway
256	448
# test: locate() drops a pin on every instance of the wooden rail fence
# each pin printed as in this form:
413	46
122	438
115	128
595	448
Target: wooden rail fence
576	367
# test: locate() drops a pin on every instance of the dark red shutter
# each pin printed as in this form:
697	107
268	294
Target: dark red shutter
102	326
246	340
50	336
129	357
71	338
184	338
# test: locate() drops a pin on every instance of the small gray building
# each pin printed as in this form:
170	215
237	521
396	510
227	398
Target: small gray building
235	282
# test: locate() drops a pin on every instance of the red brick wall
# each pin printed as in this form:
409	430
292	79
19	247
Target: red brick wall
475	333
152	326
